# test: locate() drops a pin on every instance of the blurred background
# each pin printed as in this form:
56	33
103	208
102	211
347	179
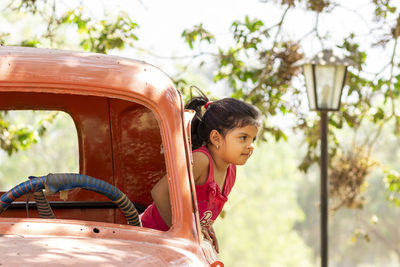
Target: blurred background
248	50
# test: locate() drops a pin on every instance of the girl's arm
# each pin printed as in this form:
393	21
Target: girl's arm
160	195
200	168
160	192
201	165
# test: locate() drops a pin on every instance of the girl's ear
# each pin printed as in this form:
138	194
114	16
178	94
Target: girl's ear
215	138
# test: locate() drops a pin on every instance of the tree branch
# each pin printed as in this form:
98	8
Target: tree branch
263	75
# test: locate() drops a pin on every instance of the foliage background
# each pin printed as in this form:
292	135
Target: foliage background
56	152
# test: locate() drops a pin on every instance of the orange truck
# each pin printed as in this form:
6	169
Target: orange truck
132	130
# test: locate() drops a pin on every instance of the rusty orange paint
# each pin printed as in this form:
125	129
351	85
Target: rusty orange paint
132	130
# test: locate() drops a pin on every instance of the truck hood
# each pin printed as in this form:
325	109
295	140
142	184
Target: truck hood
53	242
74	251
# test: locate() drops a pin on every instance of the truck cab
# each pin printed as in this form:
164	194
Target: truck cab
132	130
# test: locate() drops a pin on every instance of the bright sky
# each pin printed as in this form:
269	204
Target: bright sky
162	22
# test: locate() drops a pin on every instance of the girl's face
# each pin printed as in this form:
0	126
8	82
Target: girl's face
238	144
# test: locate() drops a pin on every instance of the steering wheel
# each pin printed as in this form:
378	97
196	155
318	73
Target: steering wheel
54	183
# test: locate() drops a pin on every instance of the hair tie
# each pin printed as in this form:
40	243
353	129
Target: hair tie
207	104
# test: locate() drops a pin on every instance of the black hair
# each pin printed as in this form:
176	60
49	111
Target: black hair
221	115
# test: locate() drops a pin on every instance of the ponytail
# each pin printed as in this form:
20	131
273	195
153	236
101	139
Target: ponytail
199	136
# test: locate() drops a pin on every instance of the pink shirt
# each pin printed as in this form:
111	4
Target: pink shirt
210	198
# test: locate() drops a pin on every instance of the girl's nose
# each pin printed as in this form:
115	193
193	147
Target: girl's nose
251	146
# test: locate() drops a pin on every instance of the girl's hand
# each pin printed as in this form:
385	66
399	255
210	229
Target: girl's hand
214	239
210	235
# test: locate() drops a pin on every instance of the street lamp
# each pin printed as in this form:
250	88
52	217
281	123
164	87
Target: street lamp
325	76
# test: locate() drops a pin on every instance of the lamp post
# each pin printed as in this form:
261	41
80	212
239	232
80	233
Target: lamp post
325	76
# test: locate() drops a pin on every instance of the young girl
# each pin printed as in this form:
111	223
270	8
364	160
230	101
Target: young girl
223	134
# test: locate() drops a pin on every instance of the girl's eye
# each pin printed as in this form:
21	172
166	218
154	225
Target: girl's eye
243	138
